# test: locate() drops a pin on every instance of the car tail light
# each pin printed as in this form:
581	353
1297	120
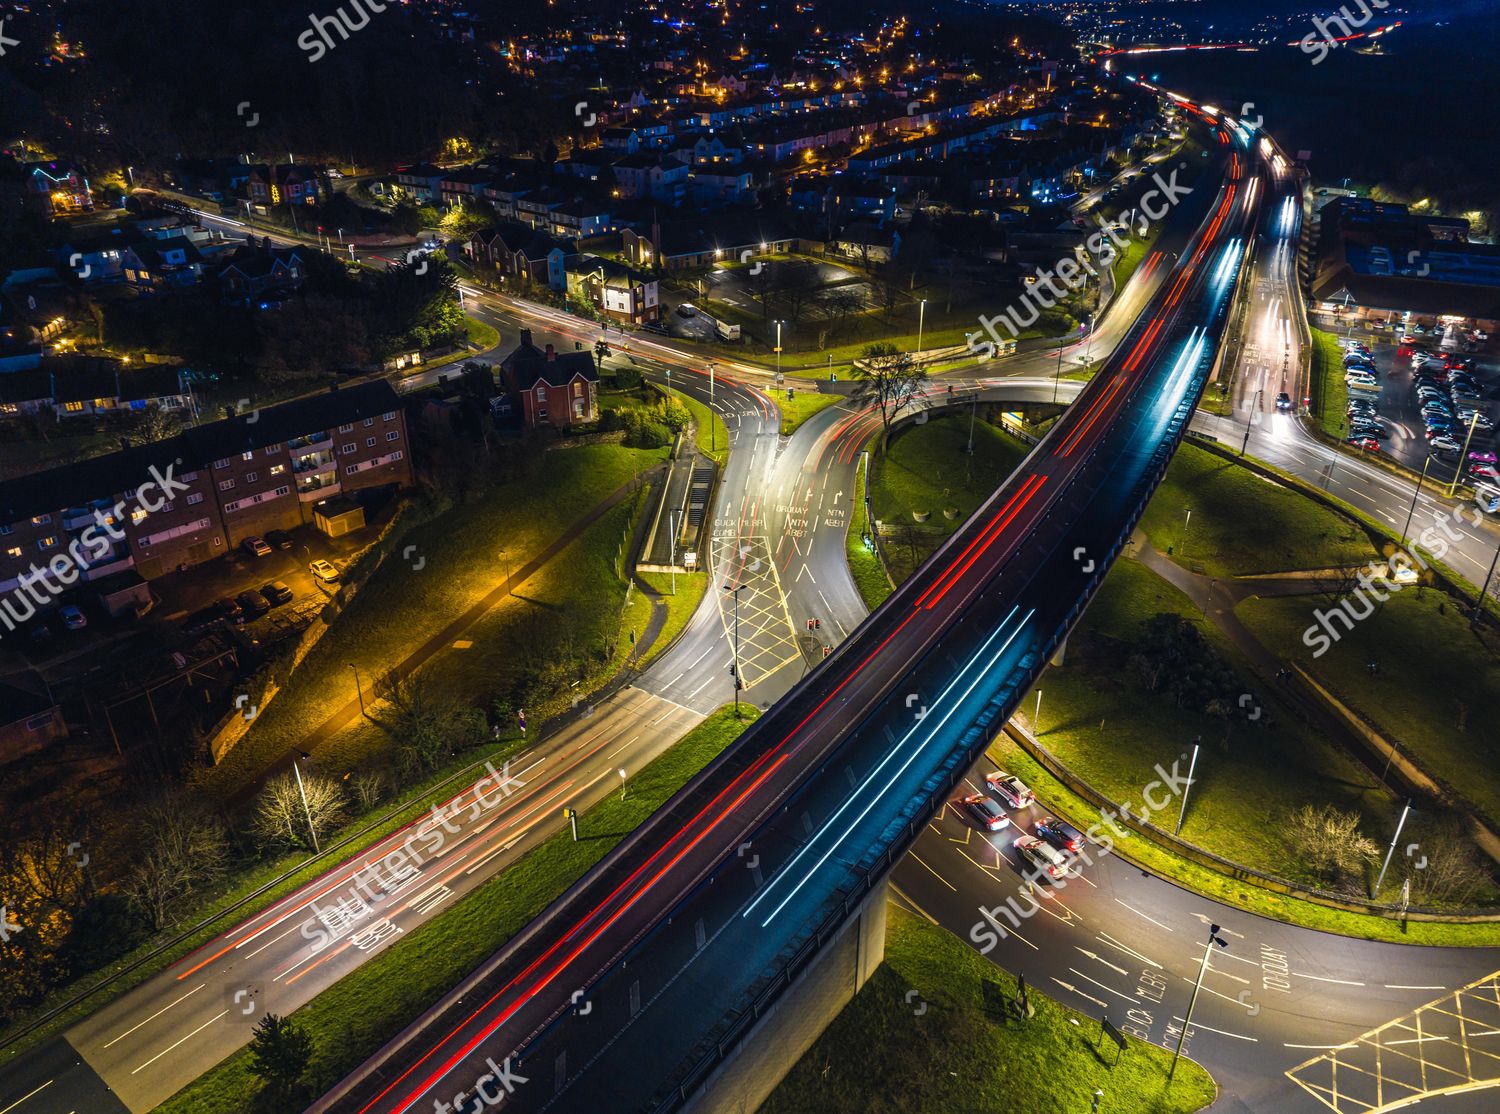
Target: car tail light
1055	871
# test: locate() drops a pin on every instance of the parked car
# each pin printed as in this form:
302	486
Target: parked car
1483	457
279	538
687	309
985	812
1043	856
252	605
1443	444
324	571
276	593
256	547
1368	444
1009	789
1060	834
72	617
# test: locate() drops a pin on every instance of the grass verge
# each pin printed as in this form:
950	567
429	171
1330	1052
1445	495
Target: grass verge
401	607
926	484
802	405
1166	864
355	1016
864	563
1242	523
1435	687
1102	721
712	435
680	607
1330	394
970	1048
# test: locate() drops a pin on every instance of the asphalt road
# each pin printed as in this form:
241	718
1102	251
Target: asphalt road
673	937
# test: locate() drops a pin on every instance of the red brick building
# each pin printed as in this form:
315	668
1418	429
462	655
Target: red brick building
560	389
230	479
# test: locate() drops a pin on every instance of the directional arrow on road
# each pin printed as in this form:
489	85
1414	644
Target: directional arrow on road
1100	959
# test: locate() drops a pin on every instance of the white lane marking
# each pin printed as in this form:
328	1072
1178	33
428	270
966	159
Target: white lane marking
1068	986
1100	959
1393	986
1320	978
1138	913
1323	1047
1004	932
1415	1040
1224	1032
934	873
33	1094
1106	938
153	1017
1101	986
169	1048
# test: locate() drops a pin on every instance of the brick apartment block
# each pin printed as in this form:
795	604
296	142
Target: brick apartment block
255	472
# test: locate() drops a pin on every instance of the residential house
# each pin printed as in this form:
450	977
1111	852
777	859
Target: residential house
621	141
621	292
256	274
526	253
463	186
662	178
551	388
288	184
92	387
721	185
29	717
704	240
56	188
422	180
153	265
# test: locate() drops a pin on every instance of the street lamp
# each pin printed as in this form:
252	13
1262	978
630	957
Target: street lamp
778	351
1415	492
734	668
1401	823
359	689
1213	938
1463	456
713	432
303	756
921	320
1186	522
672	525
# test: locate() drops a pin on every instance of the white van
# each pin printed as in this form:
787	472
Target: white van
1488	498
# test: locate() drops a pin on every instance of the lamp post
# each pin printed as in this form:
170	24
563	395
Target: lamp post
1479	603
973	408
1188	787
1463	456
505	560
672	525
1415	492
1401	823
734	668
713	430
921	320
1213	938
1186	522
303	756
360	689
778	351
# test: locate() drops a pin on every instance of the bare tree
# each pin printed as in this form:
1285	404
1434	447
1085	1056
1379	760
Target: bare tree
280	817
368	787
183	848
1444	869
893	379
840	304
1329	841
796	283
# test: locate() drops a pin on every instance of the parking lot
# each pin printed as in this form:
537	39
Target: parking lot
1400	409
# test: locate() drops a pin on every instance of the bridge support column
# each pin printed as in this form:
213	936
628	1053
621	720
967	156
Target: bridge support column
1061	652
789	1028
